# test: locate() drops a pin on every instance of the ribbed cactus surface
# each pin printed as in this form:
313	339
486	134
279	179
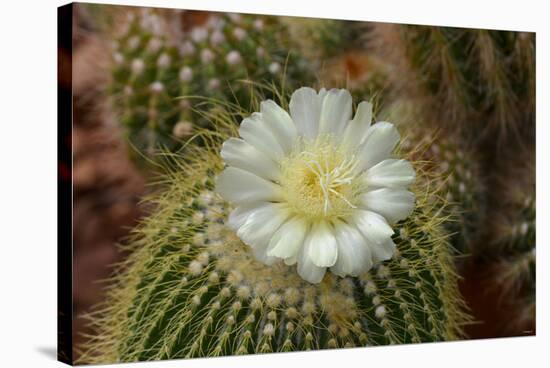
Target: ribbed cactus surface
153	65
191	288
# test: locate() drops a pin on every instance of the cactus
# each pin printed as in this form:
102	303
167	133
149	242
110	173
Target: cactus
474	81
511	245
191	288
153	64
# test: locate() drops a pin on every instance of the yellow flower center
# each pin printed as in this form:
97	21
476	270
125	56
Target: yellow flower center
319	180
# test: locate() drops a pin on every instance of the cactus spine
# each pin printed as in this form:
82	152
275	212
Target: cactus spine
191	288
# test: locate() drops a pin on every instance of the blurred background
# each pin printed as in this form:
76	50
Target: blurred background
469	93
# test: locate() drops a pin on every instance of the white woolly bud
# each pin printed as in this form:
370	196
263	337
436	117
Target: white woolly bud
404	233
258	24
239	33
237	306
524	228
273	300
157	87
214	83
250	318
272	316
199	34
203	258
292	296
128	90
197	218
383	272
376	300
225	292
370	288
261	288
217	37
182	129
215	23
154	45
196	300
214	278
380	312
290	326
230	320
118	58
186	49
198	239
291	313
260	52
138	66
331	343
235	17
308	307
133	43
163	61
195	268
269	330
256	303
207	56
274	67
404	263
243	292
462	188
233	57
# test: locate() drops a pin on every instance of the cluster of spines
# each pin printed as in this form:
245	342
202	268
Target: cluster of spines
152	68
191	288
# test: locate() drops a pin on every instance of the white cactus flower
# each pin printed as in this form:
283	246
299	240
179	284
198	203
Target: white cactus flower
316	187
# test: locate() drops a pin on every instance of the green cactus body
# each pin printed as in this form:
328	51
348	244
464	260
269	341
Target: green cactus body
511	251
477	82
152	67
191	288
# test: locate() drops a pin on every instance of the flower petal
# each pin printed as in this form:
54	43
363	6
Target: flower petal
336	111
393	204
323	249
374	227
354	255
280	124
288	240
239	186
383	251
390	173
241	154
305	109
239	215
254	131
261	224
378	144
306	268
357	128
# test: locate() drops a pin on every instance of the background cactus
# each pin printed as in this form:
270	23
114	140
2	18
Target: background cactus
191	288
480	83
156	59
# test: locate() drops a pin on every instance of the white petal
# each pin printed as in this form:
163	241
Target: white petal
238	153
378	144
393	204
239	215
336	111
354	255
390	173
256	133
280	124
374	227
323	249
239	186
261	224
357	128
383	251
291	261
260	253
305	110
288	240
306	268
